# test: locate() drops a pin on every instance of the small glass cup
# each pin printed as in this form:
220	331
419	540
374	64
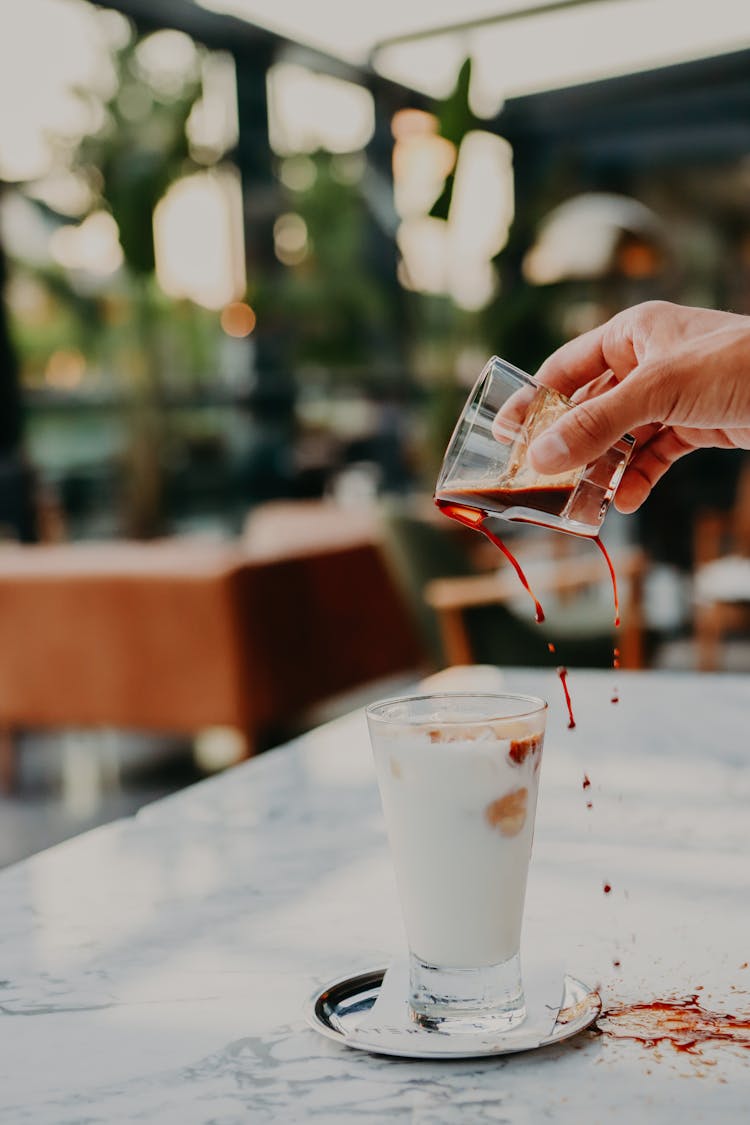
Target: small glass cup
459	775
486	466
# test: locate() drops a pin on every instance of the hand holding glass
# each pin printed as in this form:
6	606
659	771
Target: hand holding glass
486	466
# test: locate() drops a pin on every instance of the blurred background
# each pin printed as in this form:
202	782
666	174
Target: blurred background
252	258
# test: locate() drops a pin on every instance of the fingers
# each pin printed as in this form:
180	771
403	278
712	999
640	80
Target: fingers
512	413
586	431
609	347
648	465
595	387
575	363
642	434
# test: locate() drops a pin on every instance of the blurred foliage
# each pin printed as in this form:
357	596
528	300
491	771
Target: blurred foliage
129	163
140	150
455	120
334	308
520	323
70	320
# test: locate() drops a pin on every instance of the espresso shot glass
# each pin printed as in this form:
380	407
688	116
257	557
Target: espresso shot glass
486	467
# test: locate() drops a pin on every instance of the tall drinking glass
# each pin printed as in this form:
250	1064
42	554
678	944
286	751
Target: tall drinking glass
459	775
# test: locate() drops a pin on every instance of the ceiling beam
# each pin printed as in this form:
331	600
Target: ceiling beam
513	15
221	31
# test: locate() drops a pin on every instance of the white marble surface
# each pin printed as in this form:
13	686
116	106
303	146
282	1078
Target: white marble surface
155	970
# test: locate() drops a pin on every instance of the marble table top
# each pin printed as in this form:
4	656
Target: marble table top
155	970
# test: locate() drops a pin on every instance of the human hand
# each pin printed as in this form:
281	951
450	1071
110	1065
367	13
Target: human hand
677	378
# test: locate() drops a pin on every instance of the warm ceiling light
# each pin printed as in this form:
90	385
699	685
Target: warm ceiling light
238	319
413	123
198	239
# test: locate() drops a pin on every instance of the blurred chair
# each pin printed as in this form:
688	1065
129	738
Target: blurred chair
182	635
721	552
469	617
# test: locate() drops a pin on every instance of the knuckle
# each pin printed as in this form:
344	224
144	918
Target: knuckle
654	307
589	419
660	387
637	470
660	456
648	313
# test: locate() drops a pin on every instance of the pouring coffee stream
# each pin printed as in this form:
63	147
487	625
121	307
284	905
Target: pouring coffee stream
466	509
487	473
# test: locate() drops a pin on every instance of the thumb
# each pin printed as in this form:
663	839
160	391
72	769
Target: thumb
586	431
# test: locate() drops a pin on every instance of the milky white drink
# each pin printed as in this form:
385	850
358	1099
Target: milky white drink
459	799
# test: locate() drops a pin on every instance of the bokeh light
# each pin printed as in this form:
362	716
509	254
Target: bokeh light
309	111
92	246
65	369
238	319
290	239
198	238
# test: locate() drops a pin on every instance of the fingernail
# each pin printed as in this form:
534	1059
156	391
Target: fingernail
549	452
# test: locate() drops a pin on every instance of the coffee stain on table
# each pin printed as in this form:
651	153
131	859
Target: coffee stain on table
682	1023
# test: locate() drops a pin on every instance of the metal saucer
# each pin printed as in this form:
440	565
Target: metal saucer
337	1010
